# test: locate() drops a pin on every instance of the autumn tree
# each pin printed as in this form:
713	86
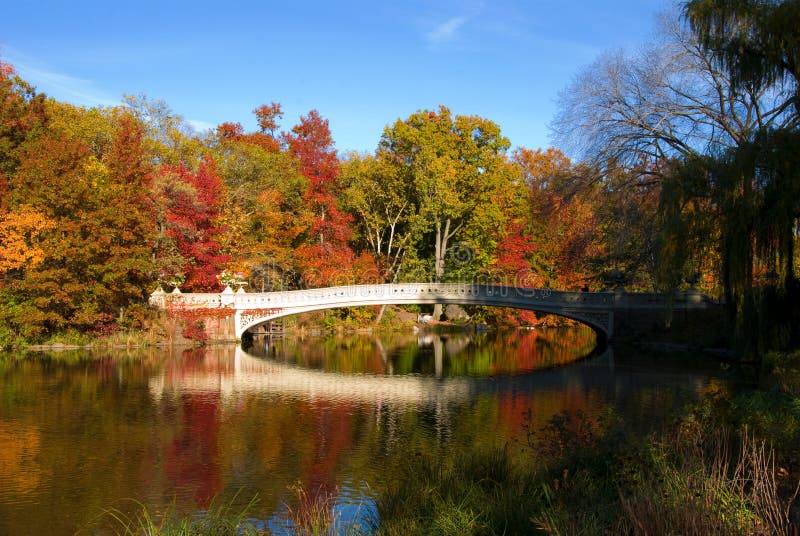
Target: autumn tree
22	110
455	165
20	233
189	216
325	257
562	201
96	255
381	200
265	212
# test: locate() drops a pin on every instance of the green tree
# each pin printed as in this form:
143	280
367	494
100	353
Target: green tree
375	191
168	138
455	167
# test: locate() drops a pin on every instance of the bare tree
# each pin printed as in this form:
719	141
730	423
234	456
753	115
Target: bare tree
669	100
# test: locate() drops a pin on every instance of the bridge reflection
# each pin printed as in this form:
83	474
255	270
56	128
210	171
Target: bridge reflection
269	370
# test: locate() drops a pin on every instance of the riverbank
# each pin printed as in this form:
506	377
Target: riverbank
164	330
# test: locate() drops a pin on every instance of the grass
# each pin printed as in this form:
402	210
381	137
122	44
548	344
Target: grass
315	514
217	520
129	339
598	477
720	493
312	515
481	493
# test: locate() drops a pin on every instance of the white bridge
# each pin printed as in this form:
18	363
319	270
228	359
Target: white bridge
595	309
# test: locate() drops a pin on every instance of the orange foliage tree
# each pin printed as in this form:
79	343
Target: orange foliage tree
20	246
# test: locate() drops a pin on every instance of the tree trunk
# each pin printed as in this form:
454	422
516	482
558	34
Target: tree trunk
441	253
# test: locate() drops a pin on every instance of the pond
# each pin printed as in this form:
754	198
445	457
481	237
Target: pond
82	433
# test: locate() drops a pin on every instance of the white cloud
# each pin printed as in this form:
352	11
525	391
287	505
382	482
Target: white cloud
447	31
61	86
200	126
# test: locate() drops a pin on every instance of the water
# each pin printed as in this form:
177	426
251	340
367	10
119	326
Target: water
83	433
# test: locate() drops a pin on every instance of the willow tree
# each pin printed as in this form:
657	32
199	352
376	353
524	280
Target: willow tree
645	113
756	185
757	43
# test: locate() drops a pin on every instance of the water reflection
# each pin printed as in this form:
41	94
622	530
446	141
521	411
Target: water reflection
338	415
434	354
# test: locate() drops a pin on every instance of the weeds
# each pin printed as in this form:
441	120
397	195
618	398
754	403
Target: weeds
217	520
314	515
701	488
693	479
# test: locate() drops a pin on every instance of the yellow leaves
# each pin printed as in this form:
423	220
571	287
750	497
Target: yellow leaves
19	234
95	172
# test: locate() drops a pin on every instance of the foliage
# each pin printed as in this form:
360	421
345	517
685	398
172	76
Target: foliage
193	320
689	177
455	167
706	120
752	187
95	239
190	208
377	194
754	40
19	239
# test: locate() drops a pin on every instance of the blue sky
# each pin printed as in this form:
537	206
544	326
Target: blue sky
361	64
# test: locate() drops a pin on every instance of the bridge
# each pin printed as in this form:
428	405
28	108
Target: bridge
599	310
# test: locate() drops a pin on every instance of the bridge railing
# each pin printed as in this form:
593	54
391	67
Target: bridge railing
428	292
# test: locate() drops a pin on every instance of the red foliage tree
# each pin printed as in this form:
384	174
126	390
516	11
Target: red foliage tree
192	219
326	258
230	131
512	257
267	116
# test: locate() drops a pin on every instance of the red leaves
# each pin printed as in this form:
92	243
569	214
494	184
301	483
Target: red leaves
326	259
267	116
311	143
191	218
513	252
230	131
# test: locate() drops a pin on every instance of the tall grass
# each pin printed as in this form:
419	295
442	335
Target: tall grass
315	514
216	520
694	480
130	339
596	476
478	493
709	489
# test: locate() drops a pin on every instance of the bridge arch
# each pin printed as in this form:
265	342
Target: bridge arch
597	325
592	309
